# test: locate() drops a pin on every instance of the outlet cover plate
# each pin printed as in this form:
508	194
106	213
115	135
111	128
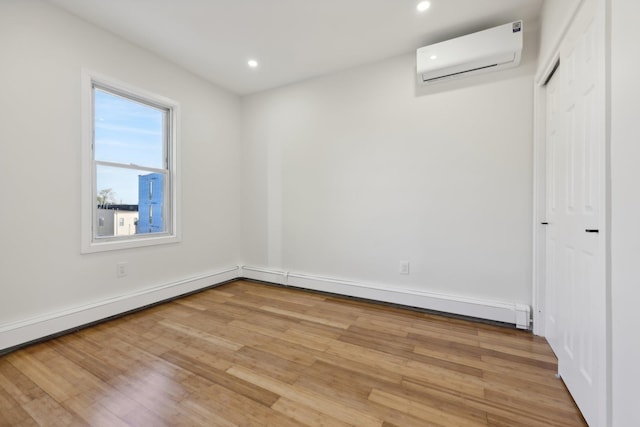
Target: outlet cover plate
404	267
121	269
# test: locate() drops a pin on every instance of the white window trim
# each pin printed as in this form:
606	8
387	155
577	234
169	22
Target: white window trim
88	204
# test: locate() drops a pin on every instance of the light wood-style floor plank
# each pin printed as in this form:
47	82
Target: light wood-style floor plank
249	354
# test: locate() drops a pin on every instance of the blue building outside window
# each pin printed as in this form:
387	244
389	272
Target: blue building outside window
150	203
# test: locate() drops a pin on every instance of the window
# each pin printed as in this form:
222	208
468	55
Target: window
129	165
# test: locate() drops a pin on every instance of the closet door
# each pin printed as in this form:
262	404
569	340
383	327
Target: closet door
576	293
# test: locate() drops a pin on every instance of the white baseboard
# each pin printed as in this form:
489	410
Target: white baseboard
264	275
516	314
24	331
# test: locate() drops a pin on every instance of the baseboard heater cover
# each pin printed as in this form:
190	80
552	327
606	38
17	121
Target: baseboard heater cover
511	313
20	333
15	334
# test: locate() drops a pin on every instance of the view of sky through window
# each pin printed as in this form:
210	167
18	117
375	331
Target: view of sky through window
128	133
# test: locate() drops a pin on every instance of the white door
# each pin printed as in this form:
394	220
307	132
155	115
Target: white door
576	297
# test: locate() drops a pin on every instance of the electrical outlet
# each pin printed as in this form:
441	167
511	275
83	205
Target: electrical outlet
121	269
404	267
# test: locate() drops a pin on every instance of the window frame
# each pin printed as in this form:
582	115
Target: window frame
90	242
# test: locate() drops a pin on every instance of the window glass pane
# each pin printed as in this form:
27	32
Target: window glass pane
130	202
127	131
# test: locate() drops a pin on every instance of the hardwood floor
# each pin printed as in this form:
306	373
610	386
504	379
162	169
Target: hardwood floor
247	354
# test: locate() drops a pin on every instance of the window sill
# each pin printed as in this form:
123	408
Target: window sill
119	244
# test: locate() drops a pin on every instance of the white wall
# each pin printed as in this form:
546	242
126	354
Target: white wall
42	51
348	174
625	211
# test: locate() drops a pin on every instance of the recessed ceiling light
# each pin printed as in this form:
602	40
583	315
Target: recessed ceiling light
423	5
252	63
433	57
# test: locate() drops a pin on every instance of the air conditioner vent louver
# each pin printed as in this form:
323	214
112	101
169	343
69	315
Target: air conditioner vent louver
461	72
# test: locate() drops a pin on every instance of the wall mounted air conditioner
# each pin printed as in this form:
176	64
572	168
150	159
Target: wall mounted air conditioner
489	50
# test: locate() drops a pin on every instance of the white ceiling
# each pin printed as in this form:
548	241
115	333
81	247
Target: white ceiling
293	40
